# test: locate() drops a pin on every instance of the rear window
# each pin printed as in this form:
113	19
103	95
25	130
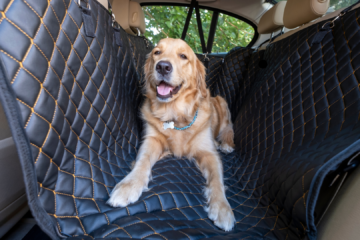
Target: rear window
338	4
169	21
231	32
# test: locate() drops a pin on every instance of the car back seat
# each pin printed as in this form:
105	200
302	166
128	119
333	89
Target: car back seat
77	135
303	111
228	76
134	21
241	65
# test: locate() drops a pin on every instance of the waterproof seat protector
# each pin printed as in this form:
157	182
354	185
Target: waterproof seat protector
72	103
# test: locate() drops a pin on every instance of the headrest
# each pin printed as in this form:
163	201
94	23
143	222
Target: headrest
299	12
129	15
272	20
136	17
120	9
104	3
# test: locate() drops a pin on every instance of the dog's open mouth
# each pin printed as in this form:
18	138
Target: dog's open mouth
165	90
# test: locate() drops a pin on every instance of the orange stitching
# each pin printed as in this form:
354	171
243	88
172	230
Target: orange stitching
107	218
122	229
185	234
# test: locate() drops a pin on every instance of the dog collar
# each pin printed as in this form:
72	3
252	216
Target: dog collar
170	125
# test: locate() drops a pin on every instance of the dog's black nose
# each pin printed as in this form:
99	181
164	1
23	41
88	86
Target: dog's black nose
164	68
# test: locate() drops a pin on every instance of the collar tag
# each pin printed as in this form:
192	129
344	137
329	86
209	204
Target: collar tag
167	125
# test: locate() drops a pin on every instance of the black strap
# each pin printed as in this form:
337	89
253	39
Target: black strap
187	22
201	33
117	34
89	25
213	25
326	28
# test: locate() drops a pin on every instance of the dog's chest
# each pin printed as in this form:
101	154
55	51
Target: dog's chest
179	141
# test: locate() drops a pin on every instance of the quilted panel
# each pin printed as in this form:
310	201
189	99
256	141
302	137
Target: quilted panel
228	78
302	111
78	100
213	69
76	109
250	78
140	47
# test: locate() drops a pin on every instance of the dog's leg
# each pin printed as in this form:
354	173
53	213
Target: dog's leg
226	133
217	145
130	188
226	137
218	208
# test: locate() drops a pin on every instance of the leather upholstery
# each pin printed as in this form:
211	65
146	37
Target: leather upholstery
120	9
136	17
272	20
78	101
227	76
129	15
105	3
302	111
299	12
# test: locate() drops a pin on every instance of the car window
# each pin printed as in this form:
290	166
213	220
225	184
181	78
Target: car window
336	4
231	32
169	21
164	21
192	35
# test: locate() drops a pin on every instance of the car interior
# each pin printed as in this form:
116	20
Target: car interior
71	78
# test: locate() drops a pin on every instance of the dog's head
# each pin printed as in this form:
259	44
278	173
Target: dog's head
172	69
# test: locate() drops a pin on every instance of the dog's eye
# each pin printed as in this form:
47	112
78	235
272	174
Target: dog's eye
183	56
157	52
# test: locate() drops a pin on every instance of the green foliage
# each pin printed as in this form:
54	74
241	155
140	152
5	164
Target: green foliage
337	4
231	32
169	21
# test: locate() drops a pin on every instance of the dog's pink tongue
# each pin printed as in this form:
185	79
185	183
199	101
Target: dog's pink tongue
164	89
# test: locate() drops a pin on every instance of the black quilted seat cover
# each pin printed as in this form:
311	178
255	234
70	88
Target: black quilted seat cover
302	110
228	77
72	102
140	48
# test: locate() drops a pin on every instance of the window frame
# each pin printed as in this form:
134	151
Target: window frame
254	26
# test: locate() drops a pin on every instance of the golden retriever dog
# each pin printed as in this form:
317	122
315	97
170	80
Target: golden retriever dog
181	118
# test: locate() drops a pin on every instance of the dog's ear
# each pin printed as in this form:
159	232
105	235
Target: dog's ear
200	78
148	65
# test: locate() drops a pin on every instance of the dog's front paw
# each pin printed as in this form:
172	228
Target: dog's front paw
221	213
226	148
127	191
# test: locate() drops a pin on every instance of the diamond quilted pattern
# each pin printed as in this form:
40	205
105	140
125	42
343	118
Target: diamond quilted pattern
77	99
82	137
227	76
140	47
302	110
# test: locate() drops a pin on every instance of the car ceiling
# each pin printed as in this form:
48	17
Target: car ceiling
249	9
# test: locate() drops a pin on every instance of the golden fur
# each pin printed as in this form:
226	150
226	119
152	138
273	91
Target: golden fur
212	129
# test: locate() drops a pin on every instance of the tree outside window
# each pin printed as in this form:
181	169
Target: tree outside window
169	21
